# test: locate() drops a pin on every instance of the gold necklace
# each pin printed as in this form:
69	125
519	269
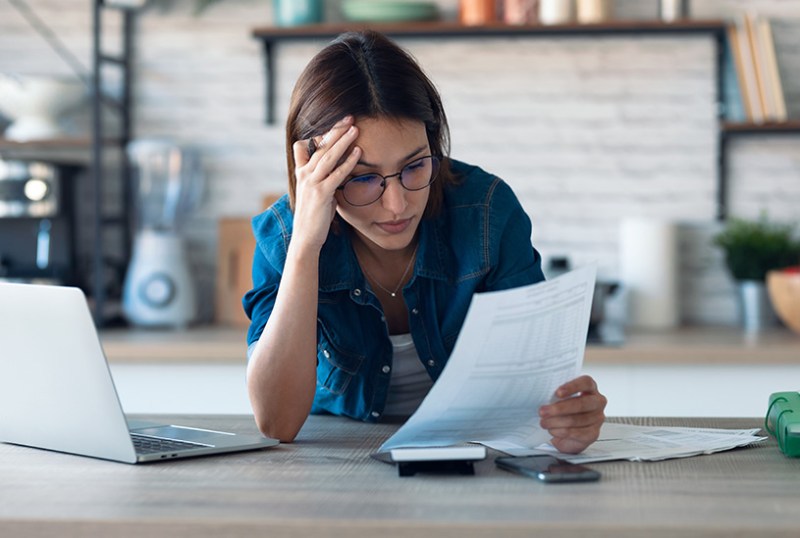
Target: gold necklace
402	278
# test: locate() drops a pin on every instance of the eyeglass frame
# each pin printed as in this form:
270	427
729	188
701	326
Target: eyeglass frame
398	175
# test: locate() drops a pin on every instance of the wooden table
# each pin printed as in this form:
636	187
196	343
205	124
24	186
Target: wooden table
326	485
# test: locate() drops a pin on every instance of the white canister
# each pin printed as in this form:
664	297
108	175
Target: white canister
673	10
649	270
593	11
555	11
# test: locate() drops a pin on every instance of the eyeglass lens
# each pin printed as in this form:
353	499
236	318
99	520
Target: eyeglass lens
366	189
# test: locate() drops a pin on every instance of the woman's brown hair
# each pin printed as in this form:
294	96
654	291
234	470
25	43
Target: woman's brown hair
366	75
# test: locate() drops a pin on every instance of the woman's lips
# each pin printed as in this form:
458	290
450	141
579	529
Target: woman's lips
395	226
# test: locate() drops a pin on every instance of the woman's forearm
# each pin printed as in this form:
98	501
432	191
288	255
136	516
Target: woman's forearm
281	374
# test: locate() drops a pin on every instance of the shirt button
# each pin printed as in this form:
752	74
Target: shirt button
386	369
357	292
431	363
414	311
326	353
375	414
383	319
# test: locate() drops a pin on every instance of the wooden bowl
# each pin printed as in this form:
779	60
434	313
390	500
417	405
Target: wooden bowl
784	291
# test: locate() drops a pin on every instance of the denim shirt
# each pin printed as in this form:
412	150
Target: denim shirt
480	241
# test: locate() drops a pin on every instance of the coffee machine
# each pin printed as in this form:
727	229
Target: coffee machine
37	227
159	288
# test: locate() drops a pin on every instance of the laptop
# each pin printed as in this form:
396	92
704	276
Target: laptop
57	393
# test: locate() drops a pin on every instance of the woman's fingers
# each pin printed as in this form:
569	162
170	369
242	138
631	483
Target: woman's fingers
579	420
584	403
327	159
570	445
580	384
320	144
304	150
574	421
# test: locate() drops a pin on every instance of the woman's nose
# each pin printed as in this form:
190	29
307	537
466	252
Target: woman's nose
394	197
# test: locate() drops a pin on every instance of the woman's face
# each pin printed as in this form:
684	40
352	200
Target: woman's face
387	146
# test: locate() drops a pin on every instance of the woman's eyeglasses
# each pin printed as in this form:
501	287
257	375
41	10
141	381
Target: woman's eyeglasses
368	188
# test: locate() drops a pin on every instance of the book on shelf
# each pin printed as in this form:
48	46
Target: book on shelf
753	65
736	106
758	65
775	97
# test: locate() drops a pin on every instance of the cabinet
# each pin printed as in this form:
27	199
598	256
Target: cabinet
720	370
716	29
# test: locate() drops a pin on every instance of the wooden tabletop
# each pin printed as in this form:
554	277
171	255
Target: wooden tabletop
325	484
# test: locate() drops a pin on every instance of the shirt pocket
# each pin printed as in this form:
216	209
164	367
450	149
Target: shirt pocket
336	365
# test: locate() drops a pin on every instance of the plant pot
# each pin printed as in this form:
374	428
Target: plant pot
755	309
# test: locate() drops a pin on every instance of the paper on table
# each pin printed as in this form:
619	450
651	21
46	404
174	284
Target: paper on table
515	349
653	443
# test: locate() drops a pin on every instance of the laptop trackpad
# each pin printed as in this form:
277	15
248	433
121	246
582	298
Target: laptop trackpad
135	423
183	433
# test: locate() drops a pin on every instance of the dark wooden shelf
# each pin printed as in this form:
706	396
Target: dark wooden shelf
784	127
444	29
53	143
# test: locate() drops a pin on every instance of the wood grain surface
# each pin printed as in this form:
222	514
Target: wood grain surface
325	484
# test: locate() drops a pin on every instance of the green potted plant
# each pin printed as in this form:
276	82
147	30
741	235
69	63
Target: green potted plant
752	249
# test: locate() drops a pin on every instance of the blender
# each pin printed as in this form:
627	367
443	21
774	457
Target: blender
167	182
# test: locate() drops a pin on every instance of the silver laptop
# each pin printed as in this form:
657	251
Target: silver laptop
56	390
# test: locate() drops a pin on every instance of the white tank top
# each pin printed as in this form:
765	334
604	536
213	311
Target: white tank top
410	381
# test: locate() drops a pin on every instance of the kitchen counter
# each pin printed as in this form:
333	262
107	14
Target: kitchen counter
201	344
686	345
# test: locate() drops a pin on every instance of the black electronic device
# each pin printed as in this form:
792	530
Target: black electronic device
37	228
548	469
437	460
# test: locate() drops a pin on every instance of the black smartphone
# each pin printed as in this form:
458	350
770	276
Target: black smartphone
547	469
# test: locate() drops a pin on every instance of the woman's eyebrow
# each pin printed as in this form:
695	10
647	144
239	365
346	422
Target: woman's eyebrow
412	154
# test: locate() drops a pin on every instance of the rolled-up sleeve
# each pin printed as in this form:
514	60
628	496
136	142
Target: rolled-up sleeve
259	301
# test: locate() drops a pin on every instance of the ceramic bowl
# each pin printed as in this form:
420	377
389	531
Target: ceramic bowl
388	10
34	103
784	292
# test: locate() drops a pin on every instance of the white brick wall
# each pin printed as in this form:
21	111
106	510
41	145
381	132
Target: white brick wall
586	130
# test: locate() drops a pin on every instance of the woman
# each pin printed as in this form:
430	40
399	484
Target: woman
363	274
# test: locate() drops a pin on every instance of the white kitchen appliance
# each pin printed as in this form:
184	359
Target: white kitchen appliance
35	103
168	180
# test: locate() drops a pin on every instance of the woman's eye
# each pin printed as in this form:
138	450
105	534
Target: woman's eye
365	179
415	165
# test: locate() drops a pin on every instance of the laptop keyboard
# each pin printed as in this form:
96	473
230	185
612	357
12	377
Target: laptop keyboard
145	444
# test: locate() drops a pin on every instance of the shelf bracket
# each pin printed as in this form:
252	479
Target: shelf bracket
269	80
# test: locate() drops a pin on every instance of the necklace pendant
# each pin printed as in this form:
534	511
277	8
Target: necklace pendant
394	294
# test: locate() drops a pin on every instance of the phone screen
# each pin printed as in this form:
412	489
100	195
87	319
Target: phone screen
548	469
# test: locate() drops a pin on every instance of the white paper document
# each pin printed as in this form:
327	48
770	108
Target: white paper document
653	443
515	349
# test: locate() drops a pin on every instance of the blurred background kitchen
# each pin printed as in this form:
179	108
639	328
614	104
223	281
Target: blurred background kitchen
614	142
